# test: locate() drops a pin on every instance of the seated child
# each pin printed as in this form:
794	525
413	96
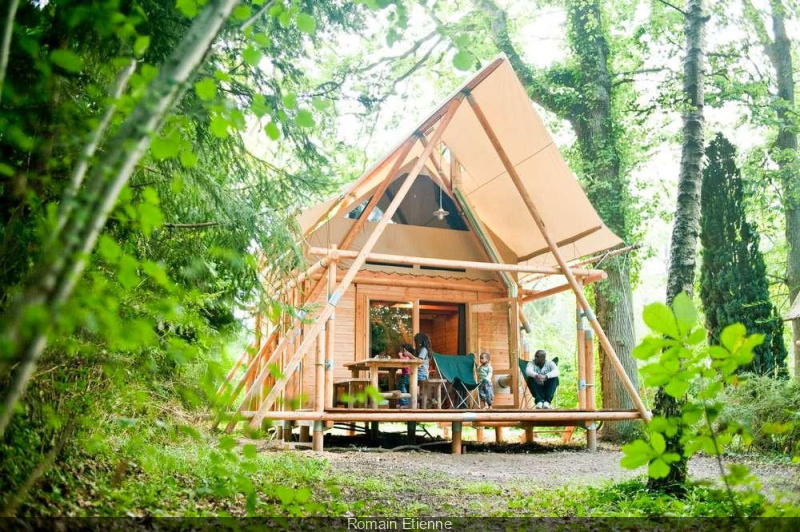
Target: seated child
405	380
485	390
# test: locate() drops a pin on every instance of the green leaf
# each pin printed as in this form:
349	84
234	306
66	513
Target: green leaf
150	195
272	131
463	60
304	118
188	159
658	442
226	443
219	127
150	217
284	494
290	100
306	23
658	468
127	273
187	7
6	170
285	19
650	346
320	103
242	12
166	147
109	249
252	56
206	89
250	451
66	60
156	272
732	335
677	387
660	319
637	454
685	313
697	336
262	39
141	45
259	105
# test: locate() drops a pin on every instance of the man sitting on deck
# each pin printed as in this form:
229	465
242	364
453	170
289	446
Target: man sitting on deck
544	379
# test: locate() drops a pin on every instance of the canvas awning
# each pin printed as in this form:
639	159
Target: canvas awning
565	209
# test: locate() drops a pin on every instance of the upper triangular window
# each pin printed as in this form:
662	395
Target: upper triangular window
418	207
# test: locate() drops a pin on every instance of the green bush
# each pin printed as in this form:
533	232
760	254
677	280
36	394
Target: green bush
767	407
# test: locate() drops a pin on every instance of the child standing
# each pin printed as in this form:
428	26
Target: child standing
485	390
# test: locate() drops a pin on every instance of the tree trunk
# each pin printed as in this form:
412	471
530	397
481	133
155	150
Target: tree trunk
65	258
787	159
685	233
607	188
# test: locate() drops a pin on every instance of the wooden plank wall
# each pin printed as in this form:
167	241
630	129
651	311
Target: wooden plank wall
487	328
490	334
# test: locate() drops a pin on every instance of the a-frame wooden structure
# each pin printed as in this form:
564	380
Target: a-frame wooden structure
503	153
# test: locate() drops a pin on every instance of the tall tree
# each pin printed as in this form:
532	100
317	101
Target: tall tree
779	51
582	93
686	228
733	281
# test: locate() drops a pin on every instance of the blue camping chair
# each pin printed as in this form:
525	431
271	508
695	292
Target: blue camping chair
459	371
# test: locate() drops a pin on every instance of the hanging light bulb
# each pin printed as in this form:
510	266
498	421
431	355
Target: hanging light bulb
440	213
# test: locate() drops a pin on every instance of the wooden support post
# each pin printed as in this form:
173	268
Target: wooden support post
359	261
319	435
591	427
411	432
330	342
513	349
305	433
528	434
415	317
287	430
581	357
319	374
479	433
565	269
498	434
374	431
456	437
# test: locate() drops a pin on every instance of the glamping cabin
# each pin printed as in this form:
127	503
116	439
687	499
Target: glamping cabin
441	236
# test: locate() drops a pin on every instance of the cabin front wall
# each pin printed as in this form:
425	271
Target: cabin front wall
487	327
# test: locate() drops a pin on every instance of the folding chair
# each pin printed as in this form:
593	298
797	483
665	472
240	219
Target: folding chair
527	398
459	371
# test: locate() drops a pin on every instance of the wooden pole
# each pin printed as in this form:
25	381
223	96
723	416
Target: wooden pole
563	287
330	343
591	429
449	263
378	194
484	287
319	374
354	268
456	446
513	349
415	317
319	436
538	417
581	357
567	272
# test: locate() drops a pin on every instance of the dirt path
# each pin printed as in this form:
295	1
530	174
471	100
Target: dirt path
552	468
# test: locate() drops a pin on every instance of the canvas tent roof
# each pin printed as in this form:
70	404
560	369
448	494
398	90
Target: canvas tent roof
567	212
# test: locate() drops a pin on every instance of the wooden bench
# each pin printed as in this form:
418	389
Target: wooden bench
348	387
432	388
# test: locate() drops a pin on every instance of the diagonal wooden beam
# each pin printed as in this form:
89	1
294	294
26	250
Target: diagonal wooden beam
565	269
560	243
362	220
335	297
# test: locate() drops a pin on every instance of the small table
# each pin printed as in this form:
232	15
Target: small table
374	365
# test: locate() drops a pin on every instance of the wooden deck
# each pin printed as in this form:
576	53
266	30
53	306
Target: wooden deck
552	417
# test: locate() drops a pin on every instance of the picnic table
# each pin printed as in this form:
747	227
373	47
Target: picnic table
375	365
